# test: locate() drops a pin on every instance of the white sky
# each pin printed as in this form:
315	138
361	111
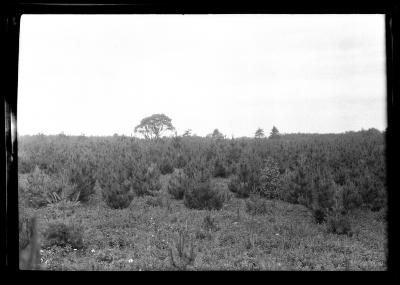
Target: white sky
101	74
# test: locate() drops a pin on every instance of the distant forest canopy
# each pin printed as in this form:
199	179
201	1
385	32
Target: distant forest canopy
189	133
158	126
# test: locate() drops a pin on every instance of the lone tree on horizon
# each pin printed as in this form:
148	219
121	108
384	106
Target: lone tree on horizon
216	134
153	126
187	133
259	133
274	133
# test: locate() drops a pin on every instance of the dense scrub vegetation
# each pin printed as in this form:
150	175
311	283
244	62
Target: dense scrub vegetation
303	169
332	175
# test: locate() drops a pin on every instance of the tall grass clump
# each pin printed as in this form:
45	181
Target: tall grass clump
182	254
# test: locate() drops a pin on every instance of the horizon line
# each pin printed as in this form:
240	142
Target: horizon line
196	135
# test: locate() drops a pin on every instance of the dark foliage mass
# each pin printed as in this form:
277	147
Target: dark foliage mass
62	235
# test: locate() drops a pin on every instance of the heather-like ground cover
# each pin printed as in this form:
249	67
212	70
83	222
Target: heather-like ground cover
144	235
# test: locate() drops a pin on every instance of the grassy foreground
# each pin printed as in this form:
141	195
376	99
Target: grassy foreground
146	234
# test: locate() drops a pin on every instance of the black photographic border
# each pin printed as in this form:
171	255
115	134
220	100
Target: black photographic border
10	15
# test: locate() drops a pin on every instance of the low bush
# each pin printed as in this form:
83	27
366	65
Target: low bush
256	205
38	187
239	188
247	181
81	175
220	168
286	189
269	179
166	165
153	178
97	197
62	209
61	234
118	196
180	160
177	184
42	189
338	224
351	197
200	196
198	169
145	180
319	215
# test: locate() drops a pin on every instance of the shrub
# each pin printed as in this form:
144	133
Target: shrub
180	160
118	196
197	169
62	235
145	180
225	194
286	189
338	224
239	188
200	195
319	215
220	168
247	180
351	197
325	191
256	205
39	189
166	165
62	209
269	179
372	191
82	176
153	178
64	188
97	197
177	184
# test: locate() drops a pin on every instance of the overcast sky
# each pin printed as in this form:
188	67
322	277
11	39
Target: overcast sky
101	74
